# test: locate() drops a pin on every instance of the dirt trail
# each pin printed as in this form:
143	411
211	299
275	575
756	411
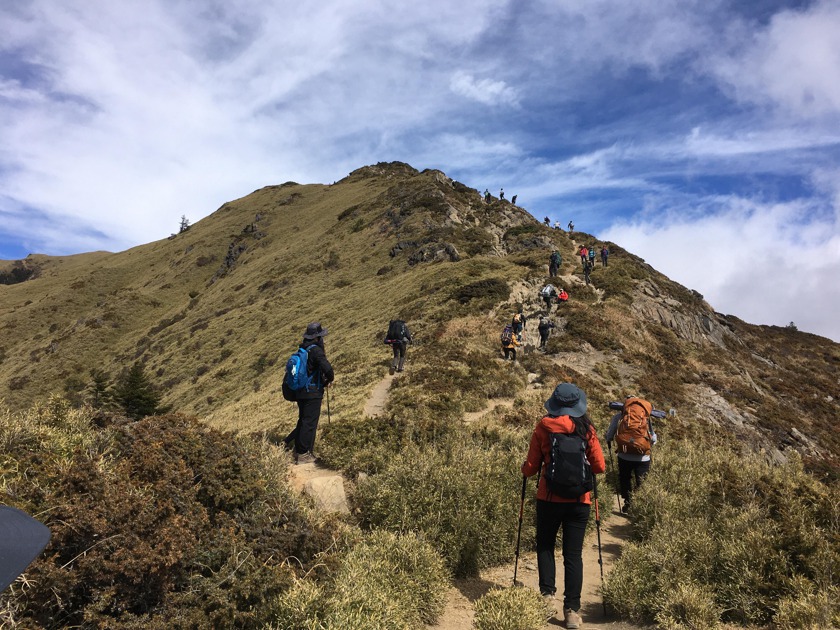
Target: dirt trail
495	403
459	613
375	405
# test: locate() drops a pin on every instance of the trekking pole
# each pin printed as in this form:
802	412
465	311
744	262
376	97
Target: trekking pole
519	532
329	419
615	472
598	532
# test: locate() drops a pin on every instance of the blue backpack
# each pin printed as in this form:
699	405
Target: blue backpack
297	379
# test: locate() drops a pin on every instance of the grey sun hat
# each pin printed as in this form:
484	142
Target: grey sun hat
567	400
22	539
314	330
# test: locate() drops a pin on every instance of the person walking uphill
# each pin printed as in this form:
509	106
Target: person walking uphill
398	337
565	449
634	435
320	374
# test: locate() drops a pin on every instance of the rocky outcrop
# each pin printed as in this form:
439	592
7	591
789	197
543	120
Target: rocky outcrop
696	326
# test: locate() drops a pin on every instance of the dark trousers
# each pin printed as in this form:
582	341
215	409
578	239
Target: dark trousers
510	353
603	261
549	300
627	470
303	435
543	338
572	517
552	270
399	355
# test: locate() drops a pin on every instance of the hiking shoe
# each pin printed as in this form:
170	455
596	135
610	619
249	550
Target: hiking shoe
572	619
550	606
305	458
392	370
625	509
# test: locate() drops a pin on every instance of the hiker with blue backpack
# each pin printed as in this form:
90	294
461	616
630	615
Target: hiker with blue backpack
308	374
398	337
565	450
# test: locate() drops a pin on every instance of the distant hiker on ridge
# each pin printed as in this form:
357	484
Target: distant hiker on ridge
486	196
513	200
547	221
605	253
587	269
398	337
571	227
502	194
318	374
554	262
545	330
548	294
557	225
509	343
565	437
634	437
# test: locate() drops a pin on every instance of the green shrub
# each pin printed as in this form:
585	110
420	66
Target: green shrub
510	609
462	497
160	523
385	582
489	290
726	538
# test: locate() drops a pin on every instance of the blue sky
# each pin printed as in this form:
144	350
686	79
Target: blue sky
702	135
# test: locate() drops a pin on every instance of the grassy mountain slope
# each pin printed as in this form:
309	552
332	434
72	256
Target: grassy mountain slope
214	311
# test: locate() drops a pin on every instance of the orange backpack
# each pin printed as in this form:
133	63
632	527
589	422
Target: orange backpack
633	435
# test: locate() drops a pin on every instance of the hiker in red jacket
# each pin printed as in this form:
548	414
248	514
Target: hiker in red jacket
584	254
566	415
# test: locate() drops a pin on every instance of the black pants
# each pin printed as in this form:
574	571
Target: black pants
544	338
303	435
510	353
552	270
572	517
626	471
399	355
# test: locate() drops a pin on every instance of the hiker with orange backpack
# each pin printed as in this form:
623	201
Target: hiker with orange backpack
510	343
565	449
632	430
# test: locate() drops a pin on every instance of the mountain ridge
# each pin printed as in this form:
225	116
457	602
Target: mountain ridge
212	312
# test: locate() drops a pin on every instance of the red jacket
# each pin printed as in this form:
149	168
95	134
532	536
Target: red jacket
539	453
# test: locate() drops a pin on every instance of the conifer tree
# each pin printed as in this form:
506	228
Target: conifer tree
135	393
185	224
99	392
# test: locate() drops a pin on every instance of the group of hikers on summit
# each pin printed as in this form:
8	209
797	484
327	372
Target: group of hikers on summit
564	450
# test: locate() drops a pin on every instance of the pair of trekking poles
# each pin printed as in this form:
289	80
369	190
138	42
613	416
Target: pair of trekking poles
597	530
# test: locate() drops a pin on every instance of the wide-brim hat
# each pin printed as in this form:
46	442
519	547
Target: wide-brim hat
567	400
315	330
22	538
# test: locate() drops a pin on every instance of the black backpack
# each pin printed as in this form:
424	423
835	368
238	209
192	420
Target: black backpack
396	331
568	473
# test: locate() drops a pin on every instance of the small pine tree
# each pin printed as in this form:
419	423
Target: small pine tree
185	224
99	394
135	393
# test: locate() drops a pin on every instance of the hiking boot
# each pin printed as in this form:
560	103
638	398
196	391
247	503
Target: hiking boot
392	370
305	458
625	509
572	619
551	607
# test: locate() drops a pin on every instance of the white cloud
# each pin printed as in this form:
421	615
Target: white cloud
764	263
794	63
484	91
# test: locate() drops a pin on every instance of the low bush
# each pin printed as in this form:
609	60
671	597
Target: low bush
461	496
734	541
510	609
385	582
159	523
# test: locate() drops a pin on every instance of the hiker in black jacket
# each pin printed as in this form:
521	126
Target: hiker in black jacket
302	437
545	330
398	338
